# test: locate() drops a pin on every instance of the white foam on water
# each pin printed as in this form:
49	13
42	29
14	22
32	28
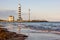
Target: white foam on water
34	36
40	36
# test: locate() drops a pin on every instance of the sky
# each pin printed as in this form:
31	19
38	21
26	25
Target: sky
39	9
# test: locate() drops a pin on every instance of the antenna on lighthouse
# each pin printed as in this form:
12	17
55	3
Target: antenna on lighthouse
18	1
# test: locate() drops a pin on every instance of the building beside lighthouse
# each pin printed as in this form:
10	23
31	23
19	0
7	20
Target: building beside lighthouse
11	18
19	13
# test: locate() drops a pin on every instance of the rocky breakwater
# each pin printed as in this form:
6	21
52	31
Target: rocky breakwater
6	35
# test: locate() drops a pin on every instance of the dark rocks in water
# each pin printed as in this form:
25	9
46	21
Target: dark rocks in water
6	35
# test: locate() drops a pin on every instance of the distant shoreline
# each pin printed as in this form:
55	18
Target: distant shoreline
25	21
35	22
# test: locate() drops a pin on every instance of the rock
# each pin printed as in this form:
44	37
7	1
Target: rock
6	35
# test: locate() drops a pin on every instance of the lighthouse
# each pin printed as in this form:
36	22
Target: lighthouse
19	13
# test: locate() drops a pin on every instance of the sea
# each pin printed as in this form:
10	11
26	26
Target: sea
32	29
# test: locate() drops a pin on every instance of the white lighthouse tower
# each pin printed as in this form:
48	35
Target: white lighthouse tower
19	12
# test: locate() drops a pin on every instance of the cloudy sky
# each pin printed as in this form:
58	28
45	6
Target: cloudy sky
40	9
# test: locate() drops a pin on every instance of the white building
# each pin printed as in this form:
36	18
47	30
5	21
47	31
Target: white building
11	18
